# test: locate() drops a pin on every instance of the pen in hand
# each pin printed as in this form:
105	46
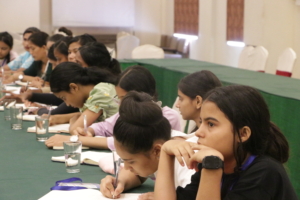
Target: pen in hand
26	88
117	174
84	124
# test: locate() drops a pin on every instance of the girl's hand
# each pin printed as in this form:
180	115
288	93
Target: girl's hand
180	149
147	196
57	140
203	151
80	131
107	187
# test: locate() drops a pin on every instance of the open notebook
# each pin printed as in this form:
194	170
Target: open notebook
59	128
17	105
90	194
87	157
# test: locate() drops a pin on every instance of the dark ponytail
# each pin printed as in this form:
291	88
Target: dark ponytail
96	54
68	32
141	123
69	72
244	106
277	146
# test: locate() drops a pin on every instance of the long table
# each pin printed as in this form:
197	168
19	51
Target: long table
282	95
26	169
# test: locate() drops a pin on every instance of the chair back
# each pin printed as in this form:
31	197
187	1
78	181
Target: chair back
286	62
244	58
147	51
122	33
125	45
260	59
112	52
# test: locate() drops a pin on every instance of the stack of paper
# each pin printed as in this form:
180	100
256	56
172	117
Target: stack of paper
90	194
59	128
87	157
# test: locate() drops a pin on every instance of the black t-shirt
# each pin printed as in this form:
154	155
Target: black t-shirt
264	179
35	70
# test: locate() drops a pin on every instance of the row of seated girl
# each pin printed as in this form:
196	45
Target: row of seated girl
95	95
239	150
236	152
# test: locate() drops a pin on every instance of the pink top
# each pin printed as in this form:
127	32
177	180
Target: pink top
106	127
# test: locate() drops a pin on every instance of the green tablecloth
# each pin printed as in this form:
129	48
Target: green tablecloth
282	95
27	171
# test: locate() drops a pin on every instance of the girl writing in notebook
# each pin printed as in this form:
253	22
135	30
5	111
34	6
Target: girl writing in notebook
133	78
89	88
139	133
239	153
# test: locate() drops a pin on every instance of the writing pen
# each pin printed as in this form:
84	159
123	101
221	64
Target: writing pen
117	175
26	88
85	124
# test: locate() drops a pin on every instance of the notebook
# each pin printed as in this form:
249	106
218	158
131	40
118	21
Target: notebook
90	194
87	157
29	117
59	128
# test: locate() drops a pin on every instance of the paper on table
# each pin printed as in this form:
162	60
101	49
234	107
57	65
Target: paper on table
88	157
59	128
18	105
29	117
90	194
21	83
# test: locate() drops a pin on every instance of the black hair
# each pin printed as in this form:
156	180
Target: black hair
51	53
141	123
31	30
55	37
62	45
96	54
244	106
198	83
69	72
9	41
68	32
83	39
138	78
39	38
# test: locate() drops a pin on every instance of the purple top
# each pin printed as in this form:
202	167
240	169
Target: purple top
106	127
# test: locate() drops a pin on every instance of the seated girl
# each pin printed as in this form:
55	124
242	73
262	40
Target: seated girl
239	152
133	78
6	45
40	67
24	60
139	133
96	54
191	90
89	88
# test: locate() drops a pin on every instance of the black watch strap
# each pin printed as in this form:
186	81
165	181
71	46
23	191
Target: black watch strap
212	162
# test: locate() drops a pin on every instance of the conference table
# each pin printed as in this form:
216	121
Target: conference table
27	171
282	95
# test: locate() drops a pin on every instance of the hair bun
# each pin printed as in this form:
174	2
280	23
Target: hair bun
138	108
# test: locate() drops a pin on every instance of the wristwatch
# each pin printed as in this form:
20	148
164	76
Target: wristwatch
212	162
74	138
20	77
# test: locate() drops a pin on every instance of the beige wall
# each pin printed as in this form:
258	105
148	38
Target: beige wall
148	16
21	14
